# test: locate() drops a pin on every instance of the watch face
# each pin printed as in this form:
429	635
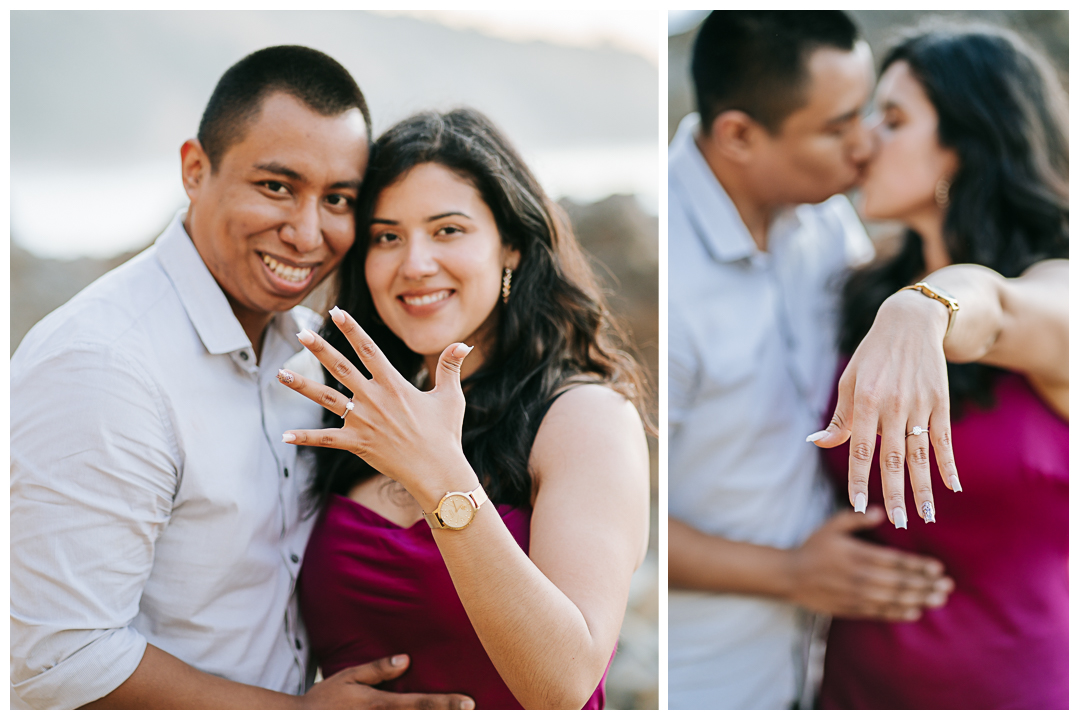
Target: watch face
456	511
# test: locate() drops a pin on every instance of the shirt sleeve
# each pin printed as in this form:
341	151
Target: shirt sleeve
683	369
858	249
94	468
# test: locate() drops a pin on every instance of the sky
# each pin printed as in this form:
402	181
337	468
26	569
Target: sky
102	101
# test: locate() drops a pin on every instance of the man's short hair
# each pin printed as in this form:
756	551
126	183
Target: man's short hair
312	77
756	60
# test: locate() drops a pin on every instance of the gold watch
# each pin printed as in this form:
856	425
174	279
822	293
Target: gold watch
947	300
456	509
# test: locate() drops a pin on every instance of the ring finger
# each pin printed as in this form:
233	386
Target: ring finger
918	462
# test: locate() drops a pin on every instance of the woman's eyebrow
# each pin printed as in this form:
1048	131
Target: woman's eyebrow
448	214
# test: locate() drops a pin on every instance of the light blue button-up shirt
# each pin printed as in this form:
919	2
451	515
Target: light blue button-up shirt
152	499
751	361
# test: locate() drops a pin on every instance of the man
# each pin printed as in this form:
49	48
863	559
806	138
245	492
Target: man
756	242
157	523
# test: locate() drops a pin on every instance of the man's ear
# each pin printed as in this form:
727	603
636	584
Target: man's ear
194	167
733	134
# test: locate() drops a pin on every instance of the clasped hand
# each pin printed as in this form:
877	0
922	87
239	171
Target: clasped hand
897	381
411	436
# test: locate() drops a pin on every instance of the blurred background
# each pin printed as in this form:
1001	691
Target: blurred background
102	101
1046	30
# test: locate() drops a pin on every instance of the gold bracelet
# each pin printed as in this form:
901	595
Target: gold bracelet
947	300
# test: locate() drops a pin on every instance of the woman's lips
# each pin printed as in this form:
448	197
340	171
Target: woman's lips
424	303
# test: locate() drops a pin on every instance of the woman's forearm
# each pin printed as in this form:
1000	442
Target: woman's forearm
1017	323
536	637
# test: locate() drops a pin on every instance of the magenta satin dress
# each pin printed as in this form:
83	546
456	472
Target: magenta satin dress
370	588
1002	639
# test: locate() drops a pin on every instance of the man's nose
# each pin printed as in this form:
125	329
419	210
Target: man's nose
420	258
303	230
864	143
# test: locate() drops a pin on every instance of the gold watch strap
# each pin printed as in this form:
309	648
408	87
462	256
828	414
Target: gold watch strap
476	497
936	294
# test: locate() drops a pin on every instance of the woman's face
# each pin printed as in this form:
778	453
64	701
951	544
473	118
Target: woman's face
908	160
435	261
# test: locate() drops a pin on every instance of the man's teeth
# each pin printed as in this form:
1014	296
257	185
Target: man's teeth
289	273
425	299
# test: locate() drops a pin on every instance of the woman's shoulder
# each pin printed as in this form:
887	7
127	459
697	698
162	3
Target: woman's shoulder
586	410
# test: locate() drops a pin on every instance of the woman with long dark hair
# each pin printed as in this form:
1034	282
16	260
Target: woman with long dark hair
485	503
959	360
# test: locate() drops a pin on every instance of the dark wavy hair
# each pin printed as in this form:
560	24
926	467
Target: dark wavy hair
555	326
1003	110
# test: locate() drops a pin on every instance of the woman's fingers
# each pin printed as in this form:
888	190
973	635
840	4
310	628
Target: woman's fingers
329	398
941	437
369	353
918	462
892	470
338	438
448	371
336	363
864	430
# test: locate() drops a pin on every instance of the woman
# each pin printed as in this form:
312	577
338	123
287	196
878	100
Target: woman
972	157
470	285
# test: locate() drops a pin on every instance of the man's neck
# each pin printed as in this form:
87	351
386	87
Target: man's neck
756	214
254	325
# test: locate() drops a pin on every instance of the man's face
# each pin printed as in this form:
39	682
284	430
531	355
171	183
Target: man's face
820	148
276	215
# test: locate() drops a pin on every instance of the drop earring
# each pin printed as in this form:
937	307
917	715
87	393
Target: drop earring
507	274
941	193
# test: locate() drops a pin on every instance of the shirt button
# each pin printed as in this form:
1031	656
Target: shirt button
299	645
295	558
286	472
243	356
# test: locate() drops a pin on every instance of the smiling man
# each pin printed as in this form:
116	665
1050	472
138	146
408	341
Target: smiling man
157	521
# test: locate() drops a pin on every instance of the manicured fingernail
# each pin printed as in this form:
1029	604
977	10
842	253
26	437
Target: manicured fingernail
287	437
954	483
935	599
398	660
337	314
285	376
899	518
305	336
461	351
860	502
928	512
814	437
467	704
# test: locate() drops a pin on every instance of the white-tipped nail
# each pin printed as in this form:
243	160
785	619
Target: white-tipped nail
954	483
461	351
305	336
814	437
287	437
337	314
860	502
899	518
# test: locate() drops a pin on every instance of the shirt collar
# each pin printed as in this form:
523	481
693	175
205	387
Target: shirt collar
711	211
203	299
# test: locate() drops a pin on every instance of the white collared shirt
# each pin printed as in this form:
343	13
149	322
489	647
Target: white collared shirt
751	360
152	499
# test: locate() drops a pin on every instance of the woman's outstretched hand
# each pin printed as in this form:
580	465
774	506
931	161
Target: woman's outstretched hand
411	436
897	382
